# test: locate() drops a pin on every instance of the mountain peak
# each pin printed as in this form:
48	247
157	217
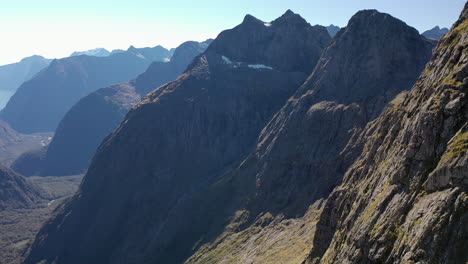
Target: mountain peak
249	19
289	12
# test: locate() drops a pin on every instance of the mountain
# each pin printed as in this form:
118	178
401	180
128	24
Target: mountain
160	73
435	33
99	52
157	53
13	75
133	202
40	103
297	160
405	199
15	190
332	30
95	116
84	127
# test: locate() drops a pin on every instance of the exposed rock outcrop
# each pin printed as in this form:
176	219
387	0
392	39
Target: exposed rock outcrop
405	199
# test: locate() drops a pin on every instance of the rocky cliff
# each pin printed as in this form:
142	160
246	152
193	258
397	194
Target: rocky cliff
405	199
138	201
297	162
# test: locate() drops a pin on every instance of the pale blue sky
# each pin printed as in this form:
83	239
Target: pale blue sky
54	28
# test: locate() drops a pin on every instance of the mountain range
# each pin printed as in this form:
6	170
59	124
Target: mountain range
40	103
276	142
96	115
98	52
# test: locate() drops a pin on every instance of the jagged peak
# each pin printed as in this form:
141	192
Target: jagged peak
249	19
290	17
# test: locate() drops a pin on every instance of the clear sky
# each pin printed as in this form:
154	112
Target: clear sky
56	28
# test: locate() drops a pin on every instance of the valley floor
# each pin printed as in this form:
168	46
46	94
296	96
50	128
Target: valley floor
18	227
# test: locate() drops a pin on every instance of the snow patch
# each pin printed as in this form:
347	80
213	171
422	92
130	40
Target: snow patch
226	60
267	24
259	66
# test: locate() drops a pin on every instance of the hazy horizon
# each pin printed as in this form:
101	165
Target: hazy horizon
55	29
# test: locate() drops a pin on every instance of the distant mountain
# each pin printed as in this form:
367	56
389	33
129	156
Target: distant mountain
40	103
99	52
157	53
15	190
332	30
177	142
160	73
435	33
117	51
96	115
13	75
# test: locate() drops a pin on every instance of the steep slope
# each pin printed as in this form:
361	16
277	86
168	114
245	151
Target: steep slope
84	127
137	203
95	116
40	103
405	199
15	190
332	30
13	75
368	63
435	33
297	158
160	73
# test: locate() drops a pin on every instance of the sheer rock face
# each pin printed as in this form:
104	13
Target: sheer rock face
160	72
96	115
139	200
405	198
15	190
367	64
40	103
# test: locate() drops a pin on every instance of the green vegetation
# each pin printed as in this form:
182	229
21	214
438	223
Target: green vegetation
457	147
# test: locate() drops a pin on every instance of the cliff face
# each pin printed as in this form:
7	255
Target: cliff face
367	64
405	199
138	201
297	161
